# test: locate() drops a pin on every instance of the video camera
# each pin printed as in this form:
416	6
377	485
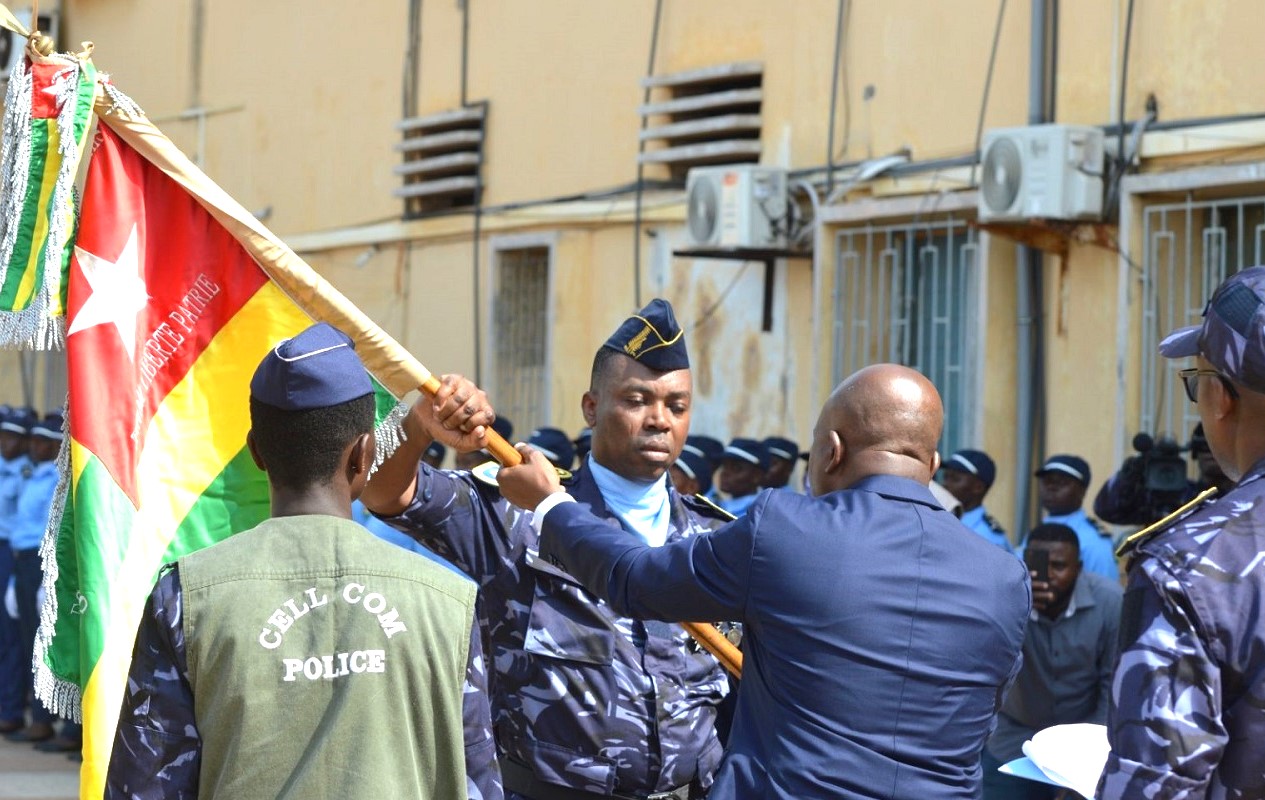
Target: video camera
1159	474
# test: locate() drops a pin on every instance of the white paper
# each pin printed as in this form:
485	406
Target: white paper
1071	755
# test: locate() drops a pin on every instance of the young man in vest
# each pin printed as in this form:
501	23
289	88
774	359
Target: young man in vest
305	657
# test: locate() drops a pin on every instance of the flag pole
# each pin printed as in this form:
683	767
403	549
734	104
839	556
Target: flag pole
398	369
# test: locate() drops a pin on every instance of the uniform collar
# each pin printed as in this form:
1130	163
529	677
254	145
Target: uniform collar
897	488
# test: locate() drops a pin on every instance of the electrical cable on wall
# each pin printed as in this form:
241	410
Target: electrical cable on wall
641	168
988	85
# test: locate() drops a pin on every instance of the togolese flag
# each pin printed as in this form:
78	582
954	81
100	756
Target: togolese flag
175	293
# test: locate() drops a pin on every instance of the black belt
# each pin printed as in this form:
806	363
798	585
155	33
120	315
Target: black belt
521	780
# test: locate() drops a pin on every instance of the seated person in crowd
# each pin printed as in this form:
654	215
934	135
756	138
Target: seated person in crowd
691	474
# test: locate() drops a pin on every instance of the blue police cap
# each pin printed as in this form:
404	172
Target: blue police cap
707	447
19	421
555	445
748	450
583	443
435	450
1074	466
973	462
697	467
1232	335
318	368
50	427
503	426
781	448
652	337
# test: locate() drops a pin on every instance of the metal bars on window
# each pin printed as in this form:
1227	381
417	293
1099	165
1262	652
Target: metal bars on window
1188	249
906	293
520	314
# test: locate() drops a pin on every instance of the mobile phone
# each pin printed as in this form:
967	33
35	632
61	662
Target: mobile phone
1038	561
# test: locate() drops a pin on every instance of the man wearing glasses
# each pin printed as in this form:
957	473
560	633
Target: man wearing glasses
1187	714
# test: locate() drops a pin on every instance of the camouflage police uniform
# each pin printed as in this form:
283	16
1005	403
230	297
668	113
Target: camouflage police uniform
582	697
1187	717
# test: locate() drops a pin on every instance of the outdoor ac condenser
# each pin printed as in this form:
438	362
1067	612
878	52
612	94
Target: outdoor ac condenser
1042	171
737	206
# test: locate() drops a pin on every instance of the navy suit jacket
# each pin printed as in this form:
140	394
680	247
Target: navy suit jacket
880	634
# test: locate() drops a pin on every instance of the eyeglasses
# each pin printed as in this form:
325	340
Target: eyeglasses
1190	380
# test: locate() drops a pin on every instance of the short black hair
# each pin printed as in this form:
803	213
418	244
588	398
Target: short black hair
1054	533
302	448
601	360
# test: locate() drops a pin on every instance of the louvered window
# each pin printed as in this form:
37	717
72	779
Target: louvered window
443	154
703	116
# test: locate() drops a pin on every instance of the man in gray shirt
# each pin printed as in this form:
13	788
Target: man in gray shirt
1069	651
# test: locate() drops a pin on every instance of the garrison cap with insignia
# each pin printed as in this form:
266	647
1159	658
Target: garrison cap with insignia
652	337
972	462
1075	466
318	368
1232	335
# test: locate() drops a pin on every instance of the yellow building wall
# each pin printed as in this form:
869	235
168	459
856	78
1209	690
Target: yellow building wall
303	97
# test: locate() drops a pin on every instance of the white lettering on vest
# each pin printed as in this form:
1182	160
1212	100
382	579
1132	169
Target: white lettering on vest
281	621
337	665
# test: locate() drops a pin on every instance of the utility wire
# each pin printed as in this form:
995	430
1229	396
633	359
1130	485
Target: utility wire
988	85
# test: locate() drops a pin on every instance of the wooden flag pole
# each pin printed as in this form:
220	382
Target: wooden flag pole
710	639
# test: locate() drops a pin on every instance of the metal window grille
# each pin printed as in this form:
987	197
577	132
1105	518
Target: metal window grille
1188	249
520	314
906	293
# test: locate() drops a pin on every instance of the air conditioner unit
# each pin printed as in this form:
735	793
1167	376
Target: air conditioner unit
737	206
1045	171
13	47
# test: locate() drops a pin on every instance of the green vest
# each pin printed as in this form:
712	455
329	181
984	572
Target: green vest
325	662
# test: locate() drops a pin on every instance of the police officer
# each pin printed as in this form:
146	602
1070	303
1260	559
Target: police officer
783	453
304	657
589	702
15	468
880	633
1061	485
30	520
968	475
1187	715
742	471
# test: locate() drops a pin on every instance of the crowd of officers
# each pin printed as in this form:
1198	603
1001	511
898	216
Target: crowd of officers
29	475
894	643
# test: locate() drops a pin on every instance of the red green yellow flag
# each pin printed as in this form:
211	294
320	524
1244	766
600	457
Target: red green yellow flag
175	293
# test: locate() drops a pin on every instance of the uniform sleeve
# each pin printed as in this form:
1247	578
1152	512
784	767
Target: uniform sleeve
699	577
157	750
483	772
461	520
1164	722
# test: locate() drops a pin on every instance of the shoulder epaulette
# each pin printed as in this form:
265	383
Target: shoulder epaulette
486	473
698	502
992	522
1134	539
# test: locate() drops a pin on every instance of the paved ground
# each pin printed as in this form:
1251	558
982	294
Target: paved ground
29	774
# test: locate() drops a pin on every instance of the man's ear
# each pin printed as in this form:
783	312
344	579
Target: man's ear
254	450
935	463
1224	404
359	461
588	407
838	452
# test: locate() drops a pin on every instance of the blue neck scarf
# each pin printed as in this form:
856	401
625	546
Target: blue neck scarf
642	507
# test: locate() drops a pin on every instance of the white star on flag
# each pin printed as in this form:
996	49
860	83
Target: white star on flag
118	293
